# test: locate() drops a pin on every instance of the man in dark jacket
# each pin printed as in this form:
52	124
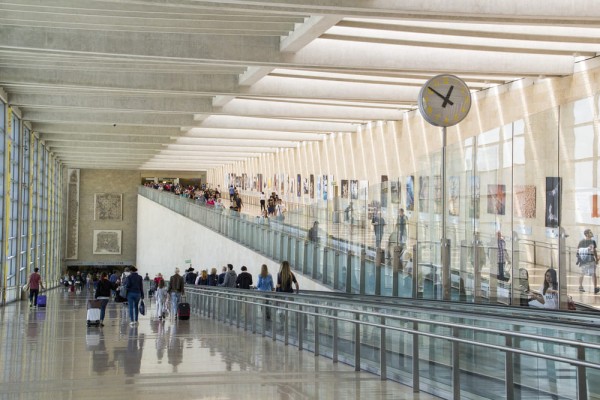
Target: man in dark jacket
190	277
244	279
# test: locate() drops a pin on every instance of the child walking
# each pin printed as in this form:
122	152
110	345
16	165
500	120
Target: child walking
161	299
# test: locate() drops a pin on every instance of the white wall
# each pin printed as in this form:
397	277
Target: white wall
166	239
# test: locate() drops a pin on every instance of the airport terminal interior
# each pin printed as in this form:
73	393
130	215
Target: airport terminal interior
430	172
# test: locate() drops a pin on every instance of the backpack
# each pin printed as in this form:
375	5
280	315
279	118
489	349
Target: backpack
585	255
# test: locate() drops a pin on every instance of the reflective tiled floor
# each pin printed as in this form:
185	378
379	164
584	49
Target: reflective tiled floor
51	354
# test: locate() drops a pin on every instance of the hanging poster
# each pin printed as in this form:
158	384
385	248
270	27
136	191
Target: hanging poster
325	187
454	196
363	190
354	189
424	193
395	191
410	193
345	189
496	199
318	187
437	194
553	188
384	190
281	183
474	197
298	185
524	201
311	187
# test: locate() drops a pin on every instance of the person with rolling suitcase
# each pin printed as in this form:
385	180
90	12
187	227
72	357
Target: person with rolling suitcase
93	312
176	290
183	309
103	291
35	283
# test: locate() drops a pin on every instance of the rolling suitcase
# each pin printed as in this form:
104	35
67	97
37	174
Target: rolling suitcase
41	300
183	311
93	312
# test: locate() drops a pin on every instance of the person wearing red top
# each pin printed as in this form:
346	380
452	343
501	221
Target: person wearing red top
34	283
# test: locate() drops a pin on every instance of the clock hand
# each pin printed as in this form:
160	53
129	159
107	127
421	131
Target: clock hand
436	92
447	98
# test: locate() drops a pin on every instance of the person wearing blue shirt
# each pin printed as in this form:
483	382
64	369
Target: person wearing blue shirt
265	284
135	293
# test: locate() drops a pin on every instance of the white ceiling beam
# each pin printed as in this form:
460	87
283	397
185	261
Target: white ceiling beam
184	148
140	119
236	142
252	134
117	140
105	129
126	81
162	104
283	109
306	32
540	11
237	122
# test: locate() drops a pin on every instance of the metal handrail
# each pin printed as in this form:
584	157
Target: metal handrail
258	300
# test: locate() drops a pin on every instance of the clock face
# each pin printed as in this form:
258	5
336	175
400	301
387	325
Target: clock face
444	100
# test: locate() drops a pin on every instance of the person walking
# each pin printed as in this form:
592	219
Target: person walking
265	284
161	296
103	292
135	293
378	225
176	290
34	283
244	279
587	259
230	277
285	279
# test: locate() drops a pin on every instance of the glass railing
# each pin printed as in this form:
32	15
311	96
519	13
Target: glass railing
345	259
437	349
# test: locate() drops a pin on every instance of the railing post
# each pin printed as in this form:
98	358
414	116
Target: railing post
455	365
382	351
508	370
334	351
378	266
316	332
325	266
396	264
286	327
336	271
581	375
357	342
315	259
253	314
299	327
349	272
415	357
362	272
305	258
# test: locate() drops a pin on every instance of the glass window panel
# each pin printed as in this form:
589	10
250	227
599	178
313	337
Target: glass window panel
487	158
519	150
583	111
488	137
584	139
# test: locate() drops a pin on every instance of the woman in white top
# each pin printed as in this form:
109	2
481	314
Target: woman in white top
549	291
161	299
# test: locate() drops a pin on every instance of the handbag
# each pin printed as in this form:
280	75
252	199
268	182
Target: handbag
142	307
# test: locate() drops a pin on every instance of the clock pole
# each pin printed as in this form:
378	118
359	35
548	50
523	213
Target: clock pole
444	100
444	241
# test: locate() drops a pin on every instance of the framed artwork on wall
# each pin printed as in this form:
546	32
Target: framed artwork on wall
325	187
107	242
424	193
525	201
454	196
354	189
311	186
496	199
298	185
395	191
108	206
553	189
345	189
384	190
410	193
474	197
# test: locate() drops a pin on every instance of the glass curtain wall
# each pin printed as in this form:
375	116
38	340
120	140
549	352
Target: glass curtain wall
27	173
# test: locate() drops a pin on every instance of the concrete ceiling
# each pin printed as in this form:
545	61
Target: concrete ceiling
192	84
